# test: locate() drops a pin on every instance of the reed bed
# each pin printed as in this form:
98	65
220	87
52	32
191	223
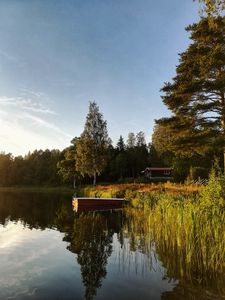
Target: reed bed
187	230
186	220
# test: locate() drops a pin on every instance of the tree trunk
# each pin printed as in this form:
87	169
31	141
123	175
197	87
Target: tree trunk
94	179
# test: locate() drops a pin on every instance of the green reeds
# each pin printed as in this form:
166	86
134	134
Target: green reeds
188	231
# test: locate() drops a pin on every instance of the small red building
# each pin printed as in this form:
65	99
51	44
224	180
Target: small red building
158	173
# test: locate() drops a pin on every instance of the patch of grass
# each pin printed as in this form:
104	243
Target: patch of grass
120	190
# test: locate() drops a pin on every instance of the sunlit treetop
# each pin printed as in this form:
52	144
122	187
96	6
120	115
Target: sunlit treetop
212	7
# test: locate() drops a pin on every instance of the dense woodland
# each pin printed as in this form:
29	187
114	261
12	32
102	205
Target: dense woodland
124	162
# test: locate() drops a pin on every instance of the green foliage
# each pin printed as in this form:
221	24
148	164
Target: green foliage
91	191
66	167
188	227
5	169
213	195
120	146
91	147
36	168
196	95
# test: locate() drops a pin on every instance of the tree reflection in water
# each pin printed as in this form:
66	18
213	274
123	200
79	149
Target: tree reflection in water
90	237
92	242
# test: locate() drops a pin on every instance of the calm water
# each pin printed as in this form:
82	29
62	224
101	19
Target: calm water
49	252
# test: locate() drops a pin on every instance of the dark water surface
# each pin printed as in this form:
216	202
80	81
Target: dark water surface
49	252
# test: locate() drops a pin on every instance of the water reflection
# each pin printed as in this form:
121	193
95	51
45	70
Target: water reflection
91	240
112	254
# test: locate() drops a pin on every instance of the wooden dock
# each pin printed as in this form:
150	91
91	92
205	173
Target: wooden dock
92	204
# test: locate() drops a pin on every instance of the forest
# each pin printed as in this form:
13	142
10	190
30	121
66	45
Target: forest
125	161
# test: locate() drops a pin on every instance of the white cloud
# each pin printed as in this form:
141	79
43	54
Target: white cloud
23	265
26	104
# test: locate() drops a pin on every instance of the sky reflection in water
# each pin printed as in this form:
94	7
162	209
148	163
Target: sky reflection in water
49	252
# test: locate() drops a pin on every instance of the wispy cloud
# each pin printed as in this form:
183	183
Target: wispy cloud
39	122
26	104
9	57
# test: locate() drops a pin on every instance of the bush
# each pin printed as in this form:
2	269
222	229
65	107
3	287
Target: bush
214	193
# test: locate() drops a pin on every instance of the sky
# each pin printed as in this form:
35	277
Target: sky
56	56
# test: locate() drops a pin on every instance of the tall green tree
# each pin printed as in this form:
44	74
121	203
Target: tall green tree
137	154
120	146
162	144
91	147
196	96
66	166
5	169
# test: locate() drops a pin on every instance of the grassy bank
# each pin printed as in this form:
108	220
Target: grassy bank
111	190
120	190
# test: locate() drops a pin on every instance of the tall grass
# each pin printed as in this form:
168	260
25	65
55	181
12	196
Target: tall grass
190	228
186	222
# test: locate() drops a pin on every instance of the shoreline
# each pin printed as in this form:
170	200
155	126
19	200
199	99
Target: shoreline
37	189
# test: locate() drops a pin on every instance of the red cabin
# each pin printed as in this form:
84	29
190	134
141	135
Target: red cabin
158	173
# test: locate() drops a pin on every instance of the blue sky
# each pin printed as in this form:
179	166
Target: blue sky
57	55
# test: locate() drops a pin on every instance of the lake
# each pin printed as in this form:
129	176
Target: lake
48	251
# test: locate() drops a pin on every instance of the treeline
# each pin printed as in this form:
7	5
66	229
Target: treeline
36	168
125	162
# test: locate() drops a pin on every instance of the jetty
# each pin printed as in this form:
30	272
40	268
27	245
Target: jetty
92	204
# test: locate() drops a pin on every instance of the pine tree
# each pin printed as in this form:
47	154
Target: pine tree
196	96
162	145
91	147
120	144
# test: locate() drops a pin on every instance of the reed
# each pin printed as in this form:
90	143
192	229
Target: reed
191	227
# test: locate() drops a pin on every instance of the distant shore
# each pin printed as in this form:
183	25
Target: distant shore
36	189
110	190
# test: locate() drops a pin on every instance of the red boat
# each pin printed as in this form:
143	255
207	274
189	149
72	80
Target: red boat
91	204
